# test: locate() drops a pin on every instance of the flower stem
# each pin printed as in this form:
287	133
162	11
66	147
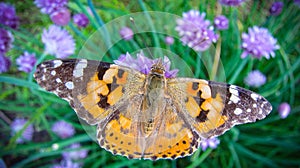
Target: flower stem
216	60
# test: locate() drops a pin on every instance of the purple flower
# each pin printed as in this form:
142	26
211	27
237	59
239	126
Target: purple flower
26	62
259	43
169	40
297	3
195	31
276	8
81	20
231	2
221	22
284	110
50	6
17	125
211	142
58	42
126	33
6	40
67	164
4	63
63	129
8	16
76	153
144	64
61	17
255	79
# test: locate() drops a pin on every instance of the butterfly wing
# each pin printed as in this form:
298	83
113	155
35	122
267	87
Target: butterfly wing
113	97
169	137
94	89
212	108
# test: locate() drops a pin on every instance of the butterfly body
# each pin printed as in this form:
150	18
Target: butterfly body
148	115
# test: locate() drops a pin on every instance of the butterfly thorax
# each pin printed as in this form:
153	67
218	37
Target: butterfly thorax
154	101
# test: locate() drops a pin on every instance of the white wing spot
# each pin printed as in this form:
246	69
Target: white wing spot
263	104
53	72
234	94
78	70
248	110
254	96
43	77
238	111
234	98
58	80
254	105
69	85
57	63
233	90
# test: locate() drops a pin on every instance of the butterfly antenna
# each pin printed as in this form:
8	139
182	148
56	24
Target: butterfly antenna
136	30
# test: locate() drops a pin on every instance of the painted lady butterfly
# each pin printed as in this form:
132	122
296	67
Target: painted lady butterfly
149	116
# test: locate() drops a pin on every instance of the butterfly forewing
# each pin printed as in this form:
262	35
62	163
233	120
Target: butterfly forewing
92	88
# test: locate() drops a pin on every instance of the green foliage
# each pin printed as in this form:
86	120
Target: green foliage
272	142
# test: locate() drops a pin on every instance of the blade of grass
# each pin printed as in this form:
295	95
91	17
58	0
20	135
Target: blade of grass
255	156
18	82
198	161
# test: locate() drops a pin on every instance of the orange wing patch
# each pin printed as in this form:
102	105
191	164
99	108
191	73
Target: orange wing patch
203	109
120	136
103	92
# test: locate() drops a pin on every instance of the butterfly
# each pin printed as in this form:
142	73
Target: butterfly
148	115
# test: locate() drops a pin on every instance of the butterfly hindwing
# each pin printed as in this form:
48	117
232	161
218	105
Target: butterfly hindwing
167	136
92	88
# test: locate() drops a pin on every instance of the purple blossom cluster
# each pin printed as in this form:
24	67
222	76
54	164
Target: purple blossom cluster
50	6
297	3
144	64
8	16
259	43
126	33
169	40
195	31
67	164
72	153
211	142
5	63
59	13
221	22
61	17
231	2
276	8
58	42
17	125
63	129
6	40
26	62
255	79
81	20
75	152
284	110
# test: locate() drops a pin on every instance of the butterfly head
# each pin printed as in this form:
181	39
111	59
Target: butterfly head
158	68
